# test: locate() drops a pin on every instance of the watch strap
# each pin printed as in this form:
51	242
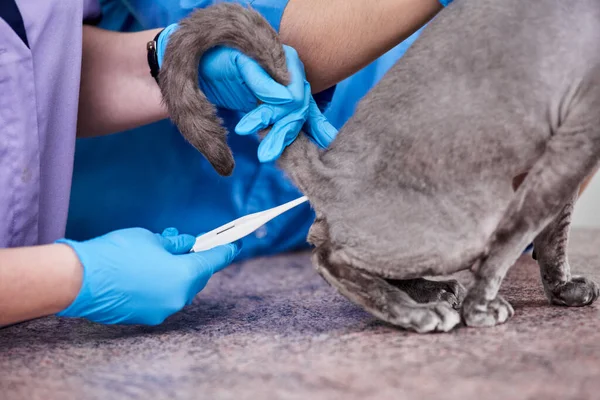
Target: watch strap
153	56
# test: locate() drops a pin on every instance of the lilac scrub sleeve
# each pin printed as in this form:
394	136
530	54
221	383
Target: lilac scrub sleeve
40	69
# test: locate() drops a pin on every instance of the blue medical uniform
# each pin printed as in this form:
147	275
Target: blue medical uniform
151	177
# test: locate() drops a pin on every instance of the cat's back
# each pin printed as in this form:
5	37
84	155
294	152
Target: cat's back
479	80
423	171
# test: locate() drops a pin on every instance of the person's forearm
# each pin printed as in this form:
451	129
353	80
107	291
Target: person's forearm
336	38
117	91
37	281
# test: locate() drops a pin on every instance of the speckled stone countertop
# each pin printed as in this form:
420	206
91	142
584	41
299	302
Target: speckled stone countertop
273	329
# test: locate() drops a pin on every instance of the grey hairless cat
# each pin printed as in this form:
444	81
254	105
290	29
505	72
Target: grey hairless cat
418	182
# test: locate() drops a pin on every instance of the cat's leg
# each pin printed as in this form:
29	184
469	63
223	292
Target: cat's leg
384	300
570	155
427	291
551	253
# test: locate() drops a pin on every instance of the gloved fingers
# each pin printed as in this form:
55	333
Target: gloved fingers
257	119
175	243
162	41
264	116
260	83
281	135
296	70
284	131
214	260
268	114
170	232
318	127
220	81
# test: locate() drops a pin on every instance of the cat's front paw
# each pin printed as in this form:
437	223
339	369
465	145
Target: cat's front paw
489	313
577	292
433	317
451	292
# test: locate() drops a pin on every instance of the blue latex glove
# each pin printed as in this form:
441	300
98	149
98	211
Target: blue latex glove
229	79
134	276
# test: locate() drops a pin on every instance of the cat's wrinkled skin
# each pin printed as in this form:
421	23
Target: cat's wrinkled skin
419	181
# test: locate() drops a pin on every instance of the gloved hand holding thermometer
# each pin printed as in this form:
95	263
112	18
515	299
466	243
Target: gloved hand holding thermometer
134	276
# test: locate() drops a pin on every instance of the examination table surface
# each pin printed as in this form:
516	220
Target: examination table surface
271	328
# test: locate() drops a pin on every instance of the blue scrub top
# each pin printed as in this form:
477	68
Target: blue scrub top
151	177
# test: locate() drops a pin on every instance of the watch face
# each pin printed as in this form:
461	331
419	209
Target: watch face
152	59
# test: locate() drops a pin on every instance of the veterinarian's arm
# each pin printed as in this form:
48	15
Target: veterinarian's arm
130	276
336	38
37	281
117	92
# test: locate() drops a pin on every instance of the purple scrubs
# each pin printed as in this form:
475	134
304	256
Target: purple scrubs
40	68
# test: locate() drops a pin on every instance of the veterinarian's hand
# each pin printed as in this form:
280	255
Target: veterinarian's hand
288	119
234	81
134	276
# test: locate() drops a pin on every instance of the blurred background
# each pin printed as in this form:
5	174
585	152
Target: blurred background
587	212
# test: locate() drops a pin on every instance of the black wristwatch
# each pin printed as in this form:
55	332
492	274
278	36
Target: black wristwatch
153	57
